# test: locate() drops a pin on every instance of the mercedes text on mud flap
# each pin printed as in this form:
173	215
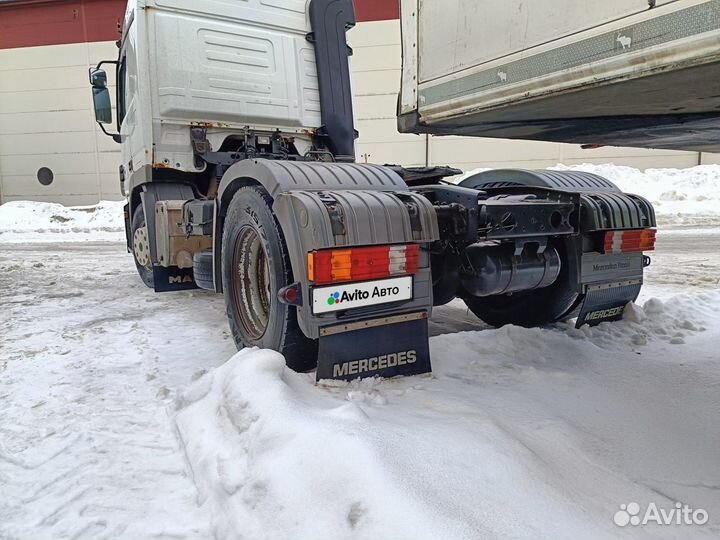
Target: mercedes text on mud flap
240	179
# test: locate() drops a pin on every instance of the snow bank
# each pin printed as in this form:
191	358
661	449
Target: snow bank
519	433
680	196
27	221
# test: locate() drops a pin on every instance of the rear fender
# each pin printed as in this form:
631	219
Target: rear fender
326	205
603	205
277	177
571	181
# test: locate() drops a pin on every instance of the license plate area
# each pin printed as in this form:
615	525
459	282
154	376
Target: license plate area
334	298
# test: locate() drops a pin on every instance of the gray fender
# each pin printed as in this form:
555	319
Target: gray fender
284	176
280	176
322	205
573	181
604	205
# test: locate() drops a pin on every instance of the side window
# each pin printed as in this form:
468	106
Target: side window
121	90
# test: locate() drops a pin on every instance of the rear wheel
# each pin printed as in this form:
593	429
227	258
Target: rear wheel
141	247
255	265
530	308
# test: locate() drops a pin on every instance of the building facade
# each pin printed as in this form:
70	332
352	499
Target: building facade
52	150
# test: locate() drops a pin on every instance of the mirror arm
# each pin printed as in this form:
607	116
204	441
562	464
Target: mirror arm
116	62
115	136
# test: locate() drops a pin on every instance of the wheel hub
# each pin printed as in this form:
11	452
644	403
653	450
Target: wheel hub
251	287
141	247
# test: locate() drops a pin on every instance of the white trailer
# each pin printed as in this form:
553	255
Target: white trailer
617	72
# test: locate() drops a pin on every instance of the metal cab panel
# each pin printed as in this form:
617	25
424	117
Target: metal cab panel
220	64
251	66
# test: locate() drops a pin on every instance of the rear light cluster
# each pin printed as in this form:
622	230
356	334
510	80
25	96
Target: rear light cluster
629	241
362	263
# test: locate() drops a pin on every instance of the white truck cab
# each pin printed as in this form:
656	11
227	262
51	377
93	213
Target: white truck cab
225	67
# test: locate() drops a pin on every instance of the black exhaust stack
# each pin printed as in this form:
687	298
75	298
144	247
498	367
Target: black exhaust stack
330	20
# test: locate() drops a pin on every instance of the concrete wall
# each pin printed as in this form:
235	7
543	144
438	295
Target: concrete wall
46	120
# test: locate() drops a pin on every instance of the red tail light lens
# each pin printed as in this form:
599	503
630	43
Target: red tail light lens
362	263
629	241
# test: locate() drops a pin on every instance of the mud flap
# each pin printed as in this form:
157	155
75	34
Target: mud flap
606	302
387	347
173	278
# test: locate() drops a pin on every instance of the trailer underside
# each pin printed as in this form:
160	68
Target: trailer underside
677	110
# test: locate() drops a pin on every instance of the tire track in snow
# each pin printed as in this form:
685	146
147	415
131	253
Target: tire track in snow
87	449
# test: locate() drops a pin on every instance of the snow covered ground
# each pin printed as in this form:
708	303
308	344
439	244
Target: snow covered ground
122	418
29	221
518	434
89	364
127	414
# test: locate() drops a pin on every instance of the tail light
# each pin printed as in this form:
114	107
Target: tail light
362	263
629	241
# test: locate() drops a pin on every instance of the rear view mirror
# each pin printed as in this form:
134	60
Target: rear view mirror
102	104
101	97
98	78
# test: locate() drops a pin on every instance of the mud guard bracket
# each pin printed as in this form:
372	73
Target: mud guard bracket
387	347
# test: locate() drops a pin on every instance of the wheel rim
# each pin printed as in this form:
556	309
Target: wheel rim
141	246
251	283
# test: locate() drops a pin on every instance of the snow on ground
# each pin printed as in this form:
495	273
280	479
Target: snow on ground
122	420
89	362
122	417
518	434
29	221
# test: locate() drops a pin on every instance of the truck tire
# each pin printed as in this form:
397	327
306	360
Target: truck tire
141	247
255	265
537	307
203	270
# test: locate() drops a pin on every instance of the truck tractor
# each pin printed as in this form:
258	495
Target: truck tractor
236	125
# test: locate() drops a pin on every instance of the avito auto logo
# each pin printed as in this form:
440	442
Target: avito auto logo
358	294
